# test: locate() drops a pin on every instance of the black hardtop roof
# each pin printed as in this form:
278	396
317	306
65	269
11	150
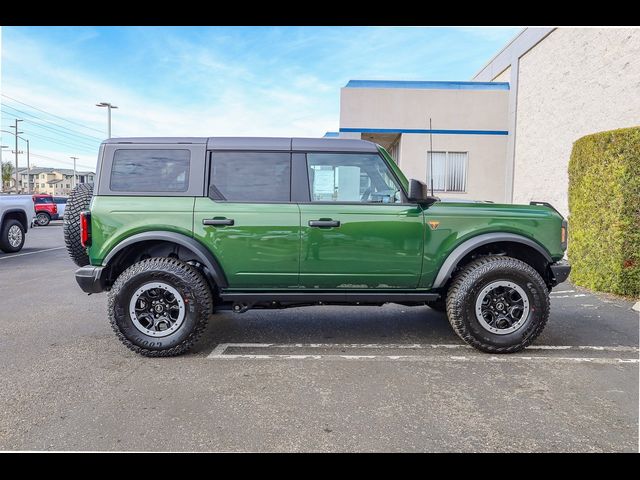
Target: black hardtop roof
258	143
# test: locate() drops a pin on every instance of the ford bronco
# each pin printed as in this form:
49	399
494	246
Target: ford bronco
178	228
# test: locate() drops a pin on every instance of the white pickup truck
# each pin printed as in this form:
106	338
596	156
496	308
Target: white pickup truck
16	216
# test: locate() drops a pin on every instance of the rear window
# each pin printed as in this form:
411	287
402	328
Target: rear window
60	200
251	176
150	170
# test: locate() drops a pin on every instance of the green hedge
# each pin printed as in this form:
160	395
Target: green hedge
604	211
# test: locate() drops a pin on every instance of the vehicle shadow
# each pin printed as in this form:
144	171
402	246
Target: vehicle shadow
329	324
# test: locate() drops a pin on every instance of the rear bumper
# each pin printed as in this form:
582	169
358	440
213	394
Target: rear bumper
91	279
559	272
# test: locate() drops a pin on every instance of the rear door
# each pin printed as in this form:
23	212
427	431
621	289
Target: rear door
358	231
248	220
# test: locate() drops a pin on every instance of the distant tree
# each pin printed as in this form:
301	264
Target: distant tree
7	173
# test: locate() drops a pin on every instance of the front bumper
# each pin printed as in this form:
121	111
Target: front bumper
559	272
91	279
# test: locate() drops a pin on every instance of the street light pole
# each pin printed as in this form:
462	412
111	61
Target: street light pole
74	170
109	107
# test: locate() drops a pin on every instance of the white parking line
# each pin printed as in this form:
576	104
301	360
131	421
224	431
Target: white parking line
219	353
30	253
563	291
569	296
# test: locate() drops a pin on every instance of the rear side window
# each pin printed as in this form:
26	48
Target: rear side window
150	170
251	176
60	200
40	200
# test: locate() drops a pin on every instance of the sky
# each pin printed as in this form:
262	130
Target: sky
208	81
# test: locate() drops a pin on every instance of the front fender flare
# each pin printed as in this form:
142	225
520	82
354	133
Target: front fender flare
467	246
204	255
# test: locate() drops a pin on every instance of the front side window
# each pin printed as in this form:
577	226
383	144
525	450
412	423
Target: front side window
345	177
251	176
150	170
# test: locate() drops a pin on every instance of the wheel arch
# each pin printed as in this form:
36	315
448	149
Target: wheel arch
517	246
160	243
15	214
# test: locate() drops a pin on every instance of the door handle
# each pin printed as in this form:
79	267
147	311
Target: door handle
324	223
217	221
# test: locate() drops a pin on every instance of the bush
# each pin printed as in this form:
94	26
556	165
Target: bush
604	211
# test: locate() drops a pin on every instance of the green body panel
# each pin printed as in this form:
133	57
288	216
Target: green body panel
114	218
376	246
271	247
462	221
262	248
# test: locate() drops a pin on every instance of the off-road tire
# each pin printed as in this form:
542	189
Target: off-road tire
191	285
469	282
45	216
78	201
5	245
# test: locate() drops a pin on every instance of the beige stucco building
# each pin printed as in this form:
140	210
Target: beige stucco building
468	130
507	135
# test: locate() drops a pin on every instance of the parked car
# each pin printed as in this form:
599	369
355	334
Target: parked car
181	227
46	209
61	202
16	216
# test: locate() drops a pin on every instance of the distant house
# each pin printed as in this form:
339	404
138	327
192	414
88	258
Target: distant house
54	181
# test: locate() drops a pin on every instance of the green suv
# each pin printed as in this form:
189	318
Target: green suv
178	228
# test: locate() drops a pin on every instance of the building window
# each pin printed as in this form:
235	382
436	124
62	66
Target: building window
394	151
42	185
449	171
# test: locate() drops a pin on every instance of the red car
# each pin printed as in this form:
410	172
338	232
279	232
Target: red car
46	209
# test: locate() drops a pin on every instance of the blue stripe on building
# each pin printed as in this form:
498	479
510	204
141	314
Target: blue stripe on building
434	85
419	130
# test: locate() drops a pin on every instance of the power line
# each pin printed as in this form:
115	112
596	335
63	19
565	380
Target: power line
61	161
57	116
73	132
85	148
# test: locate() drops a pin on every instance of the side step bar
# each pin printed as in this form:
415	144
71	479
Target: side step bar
245	301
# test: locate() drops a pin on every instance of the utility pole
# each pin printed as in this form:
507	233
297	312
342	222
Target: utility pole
28	170
16	150
109	107
74	170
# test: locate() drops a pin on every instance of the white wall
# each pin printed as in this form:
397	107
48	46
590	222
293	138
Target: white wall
574	82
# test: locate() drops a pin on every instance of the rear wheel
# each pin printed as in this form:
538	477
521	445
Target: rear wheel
498	304
159	307
43	219
11	236
78	201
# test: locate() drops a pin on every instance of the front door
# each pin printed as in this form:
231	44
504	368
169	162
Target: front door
358	231
248	221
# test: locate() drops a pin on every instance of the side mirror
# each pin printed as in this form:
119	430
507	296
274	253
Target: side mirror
419	193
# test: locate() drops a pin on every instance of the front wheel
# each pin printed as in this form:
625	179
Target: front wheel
159	307
498	304
11	236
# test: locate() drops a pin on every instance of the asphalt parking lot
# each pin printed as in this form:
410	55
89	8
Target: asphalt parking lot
386	378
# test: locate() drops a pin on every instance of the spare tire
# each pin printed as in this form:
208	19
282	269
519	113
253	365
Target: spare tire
77	202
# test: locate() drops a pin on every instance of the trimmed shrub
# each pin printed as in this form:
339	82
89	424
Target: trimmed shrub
604	211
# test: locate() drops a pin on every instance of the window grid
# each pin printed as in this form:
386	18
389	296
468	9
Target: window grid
450	171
